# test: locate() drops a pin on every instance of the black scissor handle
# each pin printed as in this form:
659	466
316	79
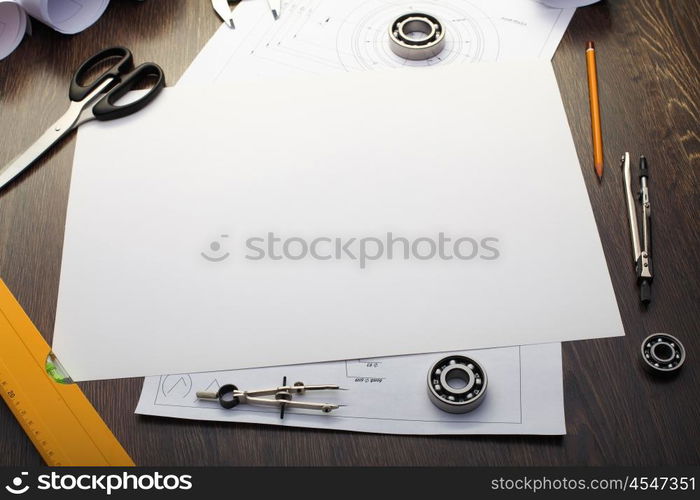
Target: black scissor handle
79	92
105	109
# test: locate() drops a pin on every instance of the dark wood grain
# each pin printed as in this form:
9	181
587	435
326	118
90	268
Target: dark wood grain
616	414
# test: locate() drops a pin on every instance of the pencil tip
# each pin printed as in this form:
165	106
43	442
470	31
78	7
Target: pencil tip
590	45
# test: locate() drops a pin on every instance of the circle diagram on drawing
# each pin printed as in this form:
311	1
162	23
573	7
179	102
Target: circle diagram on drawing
176	386
363	38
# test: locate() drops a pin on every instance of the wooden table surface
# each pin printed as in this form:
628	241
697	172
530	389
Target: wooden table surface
616	414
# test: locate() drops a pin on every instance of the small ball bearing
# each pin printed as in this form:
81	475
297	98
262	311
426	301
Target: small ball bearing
662	353
457	384
404	42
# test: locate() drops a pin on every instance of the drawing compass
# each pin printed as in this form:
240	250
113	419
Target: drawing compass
230	396
641	251
275	7
223	9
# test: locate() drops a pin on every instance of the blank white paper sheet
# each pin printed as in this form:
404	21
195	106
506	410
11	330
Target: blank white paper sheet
337	217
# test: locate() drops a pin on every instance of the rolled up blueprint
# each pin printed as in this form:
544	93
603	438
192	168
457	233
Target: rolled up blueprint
66	16
13	25
566	4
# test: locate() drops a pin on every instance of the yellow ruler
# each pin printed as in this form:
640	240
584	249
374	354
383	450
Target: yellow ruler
52	410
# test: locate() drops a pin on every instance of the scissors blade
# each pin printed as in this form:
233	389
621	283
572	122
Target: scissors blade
275	7
78	113
223	9
52	135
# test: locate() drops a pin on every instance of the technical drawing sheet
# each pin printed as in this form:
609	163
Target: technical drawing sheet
384	395
316	36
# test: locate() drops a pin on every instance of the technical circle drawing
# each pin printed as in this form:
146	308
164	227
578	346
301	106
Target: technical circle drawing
176	386
363	39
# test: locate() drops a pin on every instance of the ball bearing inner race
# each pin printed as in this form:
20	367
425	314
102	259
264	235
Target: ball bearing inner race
662	352
415	31
450	377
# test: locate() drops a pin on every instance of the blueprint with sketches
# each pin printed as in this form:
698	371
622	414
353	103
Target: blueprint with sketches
384	395
316	36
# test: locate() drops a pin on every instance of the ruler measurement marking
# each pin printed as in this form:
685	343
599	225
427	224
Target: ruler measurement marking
24	418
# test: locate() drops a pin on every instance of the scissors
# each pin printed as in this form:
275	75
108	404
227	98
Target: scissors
95	101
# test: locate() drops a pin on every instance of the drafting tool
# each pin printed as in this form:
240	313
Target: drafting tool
94	101
229	396
596	130
416	36
457	384
275	8
662	353
224	11
58	418
641	254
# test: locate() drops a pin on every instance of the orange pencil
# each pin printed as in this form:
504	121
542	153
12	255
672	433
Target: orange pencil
596	130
